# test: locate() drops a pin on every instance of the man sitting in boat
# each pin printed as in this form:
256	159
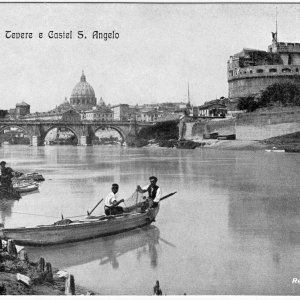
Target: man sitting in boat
111	203
154	192
6	176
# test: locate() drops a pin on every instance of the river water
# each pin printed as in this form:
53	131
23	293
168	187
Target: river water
232	228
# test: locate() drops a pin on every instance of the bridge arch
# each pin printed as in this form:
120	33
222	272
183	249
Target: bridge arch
2	128
57	126
120	131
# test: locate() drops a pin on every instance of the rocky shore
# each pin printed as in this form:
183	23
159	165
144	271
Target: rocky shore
20	276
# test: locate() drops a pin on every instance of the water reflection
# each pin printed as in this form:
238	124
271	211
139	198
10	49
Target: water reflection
6	209
107	249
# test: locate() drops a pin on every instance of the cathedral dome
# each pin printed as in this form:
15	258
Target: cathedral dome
83	93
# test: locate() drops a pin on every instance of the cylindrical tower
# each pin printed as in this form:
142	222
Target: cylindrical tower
251	71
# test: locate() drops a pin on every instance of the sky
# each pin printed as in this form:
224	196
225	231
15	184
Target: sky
160	50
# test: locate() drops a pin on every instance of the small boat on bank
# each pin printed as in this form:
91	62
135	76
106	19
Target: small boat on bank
31	176
88	228
26	188
274	149
25	185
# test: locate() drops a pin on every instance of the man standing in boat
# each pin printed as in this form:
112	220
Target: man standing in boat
111	202
154	192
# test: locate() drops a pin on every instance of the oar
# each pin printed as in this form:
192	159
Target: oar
89	213
168	243
167	196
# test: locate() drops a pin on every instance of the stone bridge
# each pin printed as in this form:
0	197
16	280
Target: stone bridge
83	130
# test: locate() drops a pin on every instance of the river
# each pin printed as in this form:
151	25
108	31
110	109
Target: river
232	228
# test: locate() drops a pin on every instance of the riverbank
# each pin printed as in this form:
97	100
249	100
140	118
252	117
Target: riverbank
289	143
20	276
234	145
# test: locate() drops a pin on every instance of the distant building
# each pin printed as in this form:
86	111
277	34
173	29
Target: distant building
121	112
251	71
22	109
83	95
101	113
213	108
150	115
69	115
4	115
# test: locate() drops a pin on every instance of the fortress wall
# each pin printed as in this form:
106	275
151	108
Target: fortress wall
252	126
253	86
259	126
268	118
252	133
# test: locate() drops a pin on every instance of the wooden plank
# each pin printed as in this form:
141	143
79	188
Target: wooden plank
23	278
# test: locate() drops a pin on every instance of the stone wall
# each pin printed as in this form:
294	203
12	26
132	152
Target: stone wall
250	126
195	130
253	133
263	125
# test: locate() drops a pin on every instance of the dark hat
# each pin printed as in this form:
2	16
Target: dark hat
153	178
3	162
115	185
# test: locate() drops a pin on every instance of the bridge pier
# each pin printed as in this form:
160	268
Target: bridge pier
84	141
37	141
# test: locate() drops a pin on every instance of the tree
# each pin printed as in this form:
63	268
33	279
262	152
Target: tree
283	94
247	103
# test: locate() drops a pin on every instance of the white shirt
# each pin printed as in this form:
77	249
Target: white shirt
110	198
158	193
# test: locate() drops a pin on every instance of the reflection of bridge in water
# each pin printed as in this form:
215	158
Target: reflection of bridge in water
83	130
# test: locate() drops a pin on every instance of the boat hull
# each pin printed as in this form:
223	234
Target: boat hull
78	230
26	188
276	151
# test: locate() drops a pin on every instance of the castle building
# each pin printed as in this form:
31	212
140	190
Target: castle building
251	71
83	95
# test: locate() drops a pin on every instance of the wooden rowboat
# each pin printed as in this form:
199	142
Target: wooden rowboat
79	230
25	188
275	150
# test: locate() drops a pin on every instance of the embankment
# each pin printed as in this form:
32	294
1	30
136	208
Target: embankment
260	125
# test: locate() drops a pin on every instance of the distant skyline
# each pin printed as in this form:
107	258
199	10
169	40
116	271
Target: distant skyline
161	48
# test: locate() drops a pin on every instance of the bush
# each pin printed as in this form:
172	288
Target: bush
247	103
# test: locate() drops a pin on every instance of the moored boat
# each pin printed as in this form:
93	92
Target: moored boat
88	228
26	188
274	149
31	176
25	185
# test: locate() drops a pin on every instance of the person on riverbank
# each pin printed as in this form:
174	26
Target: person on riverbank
6	176
154	192
111	204
156	289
